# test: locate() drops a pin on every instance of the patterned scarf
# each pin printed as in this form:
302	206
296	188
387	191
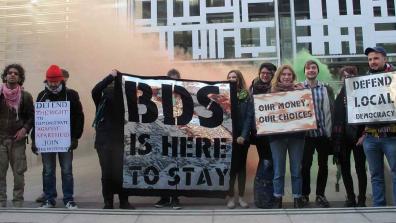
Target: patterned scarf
243	94
259	87
12	96
283	87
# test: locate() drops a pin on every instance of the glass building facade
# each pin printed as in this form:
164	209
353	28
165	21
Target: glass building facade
336	31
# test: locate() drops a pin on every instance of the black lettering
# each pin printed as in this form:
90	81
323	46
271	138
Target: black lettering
131	98
142	139
152	111
221	175
188	106
135	170
154	175
217	111
204	177
176	178
188	171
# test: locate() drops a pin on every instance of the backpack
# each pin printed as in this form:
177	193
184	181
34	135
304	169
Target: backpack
263	186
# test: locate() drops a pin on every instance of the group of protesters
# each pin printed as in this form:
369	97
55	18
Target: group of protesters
333	135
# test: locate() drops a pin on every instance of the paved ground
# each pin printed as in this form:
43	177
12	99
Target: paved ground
87	195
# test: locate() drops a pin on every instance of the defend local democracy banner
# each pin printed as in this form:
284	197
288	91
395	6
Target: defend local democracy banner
177	134
371	98
52	126
282	112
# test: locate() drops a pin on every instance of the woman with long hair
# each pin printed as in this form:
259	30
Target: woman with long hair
241	146
262	85
292	143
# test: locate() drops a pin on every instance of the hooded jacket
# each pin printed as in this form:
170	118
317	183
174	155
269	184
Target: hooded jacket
76	110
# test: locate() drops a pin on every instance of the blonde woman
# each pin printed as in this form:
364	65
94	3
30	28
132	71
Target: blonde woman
292	143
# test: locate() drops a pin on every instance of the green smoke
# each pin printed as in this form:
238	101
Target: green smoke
324	72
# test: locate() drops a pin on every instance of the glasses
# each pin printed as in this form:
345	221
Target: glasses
266	73
12	72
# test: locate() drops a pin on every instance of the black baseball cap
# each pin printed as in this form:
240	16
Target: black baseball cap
377	49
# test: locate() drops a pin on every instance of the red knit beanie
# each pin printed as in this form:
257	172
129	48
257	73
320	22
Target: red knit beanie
54	73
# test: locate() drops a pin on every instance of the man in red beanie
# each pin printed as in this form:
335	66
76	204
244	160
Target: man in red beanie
55	90
16	120
41	198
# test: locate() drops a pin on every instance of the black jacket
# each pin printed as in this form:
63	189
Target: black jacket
76	110
343	133
103	96
10	122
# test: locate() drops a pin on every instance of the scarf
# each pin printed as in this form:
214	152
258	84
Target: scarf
242	94
54	91
283	87
12	96
259	87
387	68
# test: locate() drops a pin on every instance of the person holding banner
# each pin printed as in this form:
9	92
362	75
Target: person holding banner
292	143
56	91
107	144
240	148
379	139
41	198
173	201
345	137
262	85
16	120
319	138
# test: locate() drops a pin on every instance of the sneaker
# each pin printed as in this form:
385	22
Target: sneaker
163	202
175	204
322	202
361	201
71	205
47	204
41	198
231	203
243	203
108	204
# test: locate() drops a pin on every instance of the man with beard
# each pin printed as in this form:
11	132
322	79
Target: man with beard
379	139
16	120
55	90
319	138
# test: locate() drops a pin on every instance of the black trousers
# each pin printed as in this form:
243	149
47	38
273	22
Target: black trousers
263	148
238	168
111	166
360	166
323	148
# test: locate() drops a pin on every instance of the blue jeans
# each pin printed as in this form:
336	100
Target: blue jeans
49	166
295	147
375	149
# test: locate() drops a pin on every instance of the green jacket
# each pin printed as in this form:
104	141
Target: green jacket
10	121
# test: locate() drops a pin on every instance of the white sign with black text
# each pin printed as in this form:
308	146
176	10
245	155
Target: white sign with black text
52	126
371	98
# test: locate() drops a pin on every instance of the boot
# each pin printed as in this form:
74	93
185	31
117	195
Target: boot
124	203
277	202
361	201
350	202
298	202
108	203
